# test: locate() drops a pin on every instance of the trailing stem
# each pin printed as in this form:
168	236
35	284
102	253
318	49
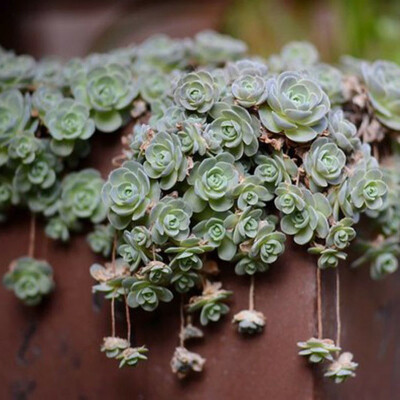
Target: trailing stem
319	304
32	236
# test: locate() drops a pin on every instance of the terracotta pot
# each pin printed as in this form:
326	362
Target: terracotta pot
53	351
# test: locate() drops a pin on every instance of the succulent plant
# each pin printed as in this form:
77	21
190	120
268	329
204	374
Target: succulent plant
383	83
250	90
309	220
289	198
141	134
29	279
164	160
67	122
155	86
215	48
351	65
196	91
341	234
214	232
57	229
81	196
7	196
135	246
328	257
324	164
101	238
251	193
48	71
127	194
187	254
274	169
382	254
233	130
249	321
162	113
71	68
157	272
45	98
15	71
248	265
298	55
212	312
210	182
170	219
383	265
368	190
211	230
268	244
210	303
113	346
388	217
184	362
244	224
191	331
318	350
216	137
340	200
108	90
14	114
342	368
138	237
331	81
247	66
296	106
168	117
41	172
44	201
145	294
131	356
24	146
342	131
131	256
110	278
163	52
185	280
223	84
191	138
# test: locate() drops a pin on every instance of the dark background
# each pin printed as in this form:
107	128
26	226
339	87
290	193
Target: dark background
66	28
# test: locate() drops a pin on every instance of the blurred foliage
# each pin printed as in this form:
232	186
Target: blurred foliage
363	28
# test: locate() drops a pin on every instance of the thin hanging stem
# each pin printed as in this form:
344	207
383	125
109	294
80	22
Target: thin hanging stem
32	236
128	319
113	316
251	293
182	324
114	248
338	319
319	304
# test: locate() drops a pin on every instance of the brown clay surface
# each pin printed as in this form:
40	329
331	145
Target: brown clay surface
53	351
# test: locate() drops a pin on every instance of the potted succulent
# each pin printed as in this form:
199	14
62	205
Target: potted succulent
225	158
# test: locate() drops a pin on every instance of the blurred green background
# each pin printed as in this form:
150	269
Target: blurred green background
363	28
